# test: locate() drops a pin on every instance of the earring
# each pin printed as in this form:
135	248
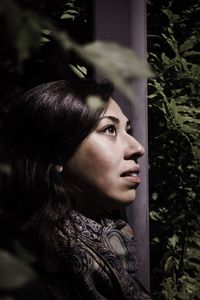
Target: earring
59	168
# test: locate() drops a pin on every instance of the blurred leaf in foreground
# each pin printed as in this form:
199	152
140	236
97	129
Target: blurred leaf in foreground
18	278
119	64
13	273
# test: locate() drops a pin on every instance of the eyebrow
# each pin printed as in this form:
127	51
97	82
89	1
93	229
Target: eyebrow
115	120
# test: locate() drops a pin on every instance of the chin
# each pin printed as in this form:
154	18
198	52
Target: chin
123	202
128	201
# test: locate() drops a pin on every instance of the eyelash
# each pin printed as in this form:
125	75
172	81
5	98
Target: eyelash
113	127
130	130
110	127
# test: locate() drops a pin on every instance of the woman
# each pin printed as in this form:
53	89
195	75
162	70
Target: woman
72	169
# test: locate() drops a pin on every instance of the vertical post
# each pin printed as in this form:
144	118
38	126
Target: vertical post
140	208
124	22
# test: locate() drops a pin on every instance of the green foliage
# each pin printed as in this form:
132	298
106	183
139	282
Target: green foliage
117	63
18	279
24	28
175	150
29	30
71	10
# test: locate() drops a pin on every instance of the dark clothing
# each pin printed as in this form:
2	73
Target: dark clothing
93	261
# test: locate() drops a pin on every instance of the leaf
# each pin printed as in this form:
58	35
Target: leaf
70	14
173	240
25	28
191	53
171	15
188	129
169	264
185	65
154	216
165	59
79	71
187	109
13	273
171	43
188	44
172	106
196	151
190	120
4	168
154	95
172	63
28	36
195	71
118	63
95	102
156	240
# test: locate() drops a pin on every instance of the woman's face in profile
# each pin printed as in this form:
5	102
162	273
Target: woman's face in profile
106	162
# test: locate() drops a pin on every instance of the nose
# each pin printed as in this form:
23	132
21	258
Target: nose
133	149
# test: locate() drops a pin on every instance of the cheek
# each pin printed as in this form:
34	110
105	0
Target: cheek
94	160
97	161
107	157
99	157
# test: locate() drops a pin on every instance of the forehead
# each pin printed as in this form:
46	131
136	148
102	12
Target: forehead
114	110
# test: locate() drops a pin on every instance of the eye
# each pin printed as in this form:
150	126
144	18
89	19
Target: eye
110	130
129	130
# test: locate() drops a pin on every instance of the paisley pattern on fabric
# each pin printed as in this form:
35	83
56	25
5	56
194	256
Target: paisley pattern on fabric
94	261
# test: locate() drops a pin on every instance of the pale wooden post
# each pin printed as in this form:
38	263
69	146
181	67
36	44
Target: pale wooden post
124	21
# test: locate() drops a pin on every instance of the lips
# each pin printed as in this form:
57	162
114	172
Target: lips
131	171
131	175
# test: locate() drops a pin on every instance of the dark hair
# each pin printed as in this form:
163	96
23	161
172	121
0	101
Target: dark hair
44	128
